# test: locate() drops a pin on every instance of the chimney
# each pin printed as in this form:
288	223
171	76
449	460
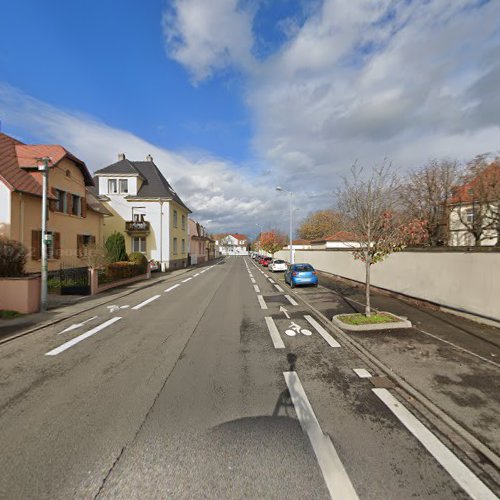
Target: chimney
121	156
149	158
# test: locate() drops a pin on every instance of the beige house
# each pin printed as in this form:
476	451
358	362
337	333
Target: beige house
76	218
146	209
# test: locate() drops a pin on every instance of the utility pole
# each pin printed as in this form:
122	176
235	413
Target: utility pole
290	194
43	167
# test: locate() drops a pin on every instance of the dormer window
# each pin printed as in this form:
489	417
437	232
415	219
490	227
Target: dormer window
123	186
112	186
117	186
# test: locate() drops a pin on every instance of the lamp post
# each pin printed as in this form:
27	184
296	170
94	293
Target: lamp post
43	168
290	194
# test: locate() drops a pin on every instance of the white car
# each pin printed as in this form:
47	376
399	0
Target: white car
277	265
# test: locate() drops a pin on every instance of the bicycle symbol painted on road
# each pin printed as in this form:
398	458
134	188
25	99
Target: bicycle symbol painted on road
293	329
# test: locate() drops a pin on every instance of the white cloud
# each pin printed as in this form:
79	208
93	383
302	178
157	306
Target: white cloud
219	194
363	80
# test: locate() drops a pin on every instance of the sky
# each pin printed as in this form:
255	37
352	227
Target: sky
233	98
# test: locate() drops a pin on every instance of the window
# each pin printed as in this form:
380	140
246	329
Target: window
138	214
139	244
112	186
123	185
175	246
183	222
183	245
469	215
175	218
83	241
61	204
76	205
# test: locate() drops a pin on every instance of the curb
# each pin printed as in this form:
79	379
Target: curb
76	313
402	323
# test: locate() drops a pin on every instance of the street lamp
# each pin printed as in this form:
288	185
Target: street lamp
43	168
290	194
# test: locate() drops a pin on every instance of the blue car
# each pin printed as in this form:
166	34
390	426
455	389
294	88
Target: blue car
301	274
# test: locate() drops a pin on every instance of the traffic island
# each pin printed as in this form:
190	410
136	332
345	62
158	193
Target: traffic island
359	322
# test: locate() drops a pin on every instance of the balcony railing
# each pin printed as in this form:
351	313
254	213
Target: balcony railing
134	227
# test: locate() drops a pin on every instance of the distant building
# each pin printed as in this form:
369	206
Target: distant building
340	239
201	246
147	210
233	244
299	244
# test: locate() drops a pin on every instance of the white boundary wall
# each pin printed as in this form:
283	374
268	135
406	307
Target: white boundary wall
467	281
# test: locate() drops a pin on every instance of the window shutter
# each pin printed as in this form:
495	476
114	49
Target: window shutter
92	240
69	203
79	245
36	244
53	203
84	206
57	245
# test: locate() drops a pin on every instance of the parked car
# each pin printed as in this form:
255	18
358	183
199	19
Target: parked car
277	265
301	274
154	265
265	261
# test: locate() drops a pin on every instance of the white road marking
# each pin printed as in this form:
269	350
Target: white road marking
186	280
113	308
253	280
256	288
279	288
475	488
292	301
124	307
362	373
83	336
172	287
142	304
337	481
275	335
262	302
329	339
77	325
197	274
284	311
270	280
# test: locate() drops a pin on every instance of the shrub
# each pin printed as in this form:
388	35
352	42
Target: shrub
115	247
12	258
139	259
122	270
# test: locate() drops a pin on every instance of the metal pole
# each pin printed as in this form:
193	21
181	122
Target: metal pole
45	183
291	229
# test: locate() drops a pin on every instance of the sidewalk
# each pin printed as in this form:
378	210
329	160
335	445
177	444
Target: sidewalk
452	361
62	307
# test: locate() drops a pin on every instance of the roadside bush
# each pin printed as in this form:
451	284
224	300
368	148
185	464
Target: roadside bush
139	259
12	258
122	270
115	247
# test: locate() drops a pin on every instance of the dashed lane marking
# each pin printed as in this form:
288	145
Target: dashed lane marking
275	335
262	302
186	280
449	461
253	280
83	336
146	302
329	339
279	288
337	481
292	301
172	287
256	288
362	373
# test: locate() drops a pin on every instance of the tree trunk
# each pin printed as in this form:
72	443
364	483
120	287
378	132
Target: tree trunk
367	287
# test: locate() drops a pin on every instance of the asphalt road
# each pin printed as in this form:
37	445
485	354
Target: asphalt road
197	392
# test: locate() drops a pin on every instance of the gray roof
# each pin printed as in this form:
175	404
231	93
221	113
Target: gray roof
154	185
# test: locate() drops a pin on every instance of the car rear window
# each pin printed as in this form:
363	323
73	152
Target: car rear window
304	268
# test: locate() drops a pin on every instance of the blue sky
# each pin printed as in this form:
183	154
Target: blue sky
234	97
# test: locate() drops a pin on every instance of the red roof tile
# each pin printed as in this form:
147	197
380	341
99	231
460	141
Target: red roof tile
465	192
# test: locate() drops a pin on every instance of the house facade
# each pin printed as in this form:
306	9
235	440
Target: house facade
233	244
146	209
474	210
75	217
199	243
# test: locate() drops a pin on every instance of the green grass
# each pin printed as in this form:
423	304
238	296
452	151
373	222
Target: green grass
6	314
361	319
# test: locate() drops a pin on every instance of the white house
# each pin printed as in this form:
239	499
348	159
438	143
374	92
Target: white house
146	209
341	239
233	244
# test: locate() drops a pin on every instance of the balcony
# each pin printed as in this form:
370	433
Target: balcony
137	228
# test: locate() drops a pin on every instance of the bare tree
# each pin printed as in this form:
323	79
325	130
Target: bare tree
426	194
477	200
372	207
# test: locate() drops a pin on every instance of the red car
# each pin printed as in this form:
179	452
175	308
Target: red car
265	261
